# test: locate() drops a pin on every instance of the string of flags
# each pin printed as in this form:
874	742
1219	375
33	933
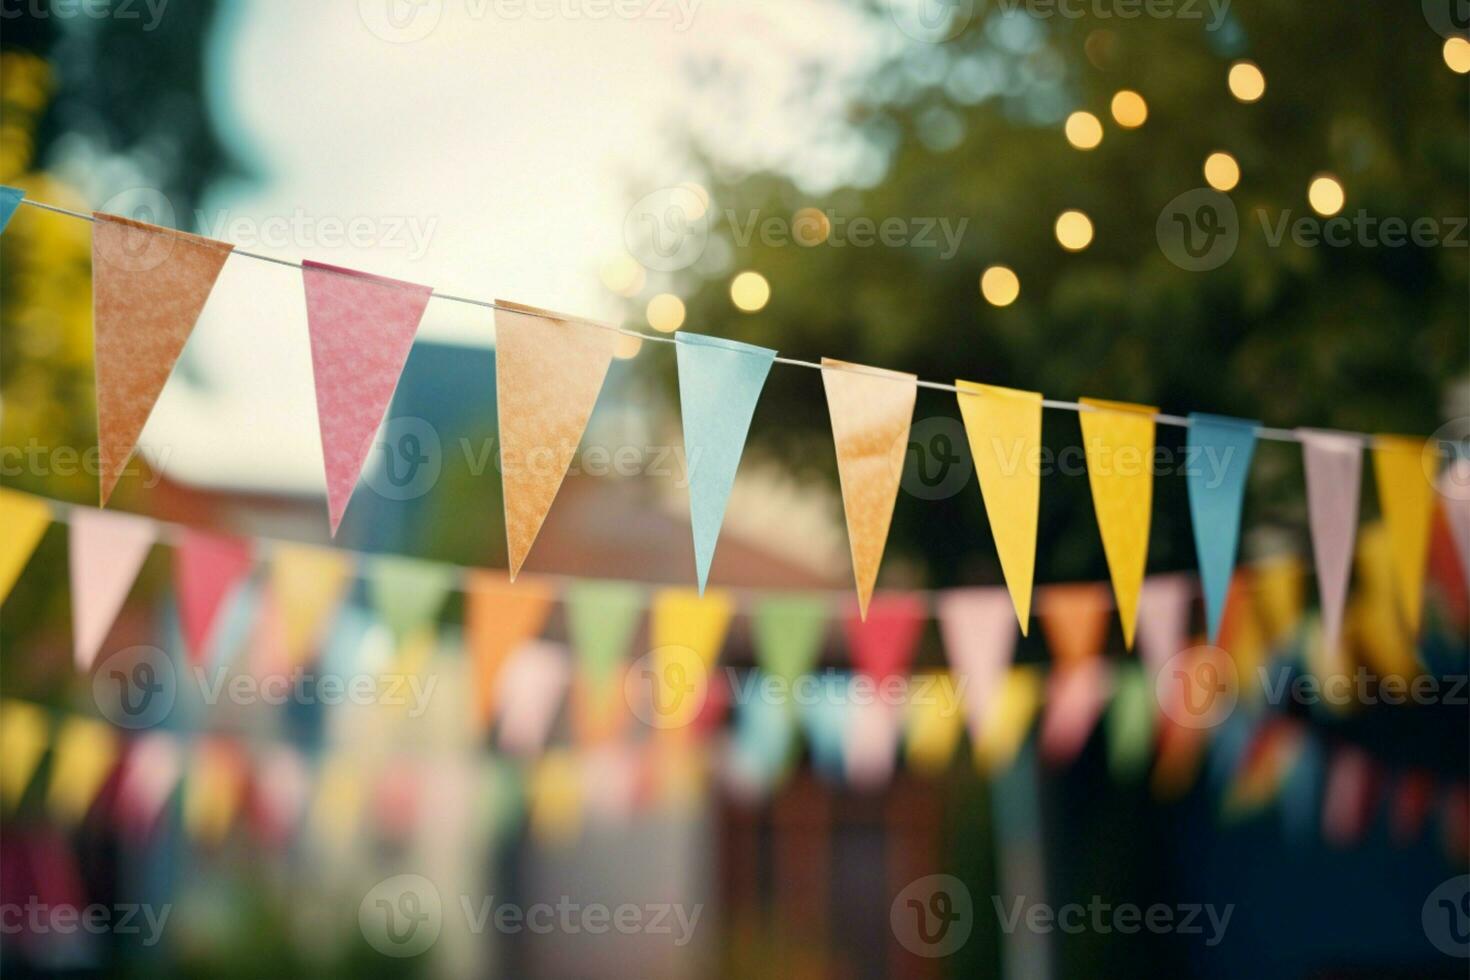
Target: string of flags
150	285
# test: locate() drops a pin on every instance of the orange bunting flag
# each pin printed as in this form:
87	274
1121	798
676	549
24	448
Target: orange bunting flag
548	374
499	618
1075	621
1118	439
871	410
149	285
1406	469
1004	430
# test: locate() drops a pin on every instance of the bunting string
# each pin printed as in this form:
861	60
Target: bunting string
1445	447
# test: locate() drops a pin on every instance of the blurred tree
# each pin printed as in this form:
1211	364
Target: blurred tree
1363	336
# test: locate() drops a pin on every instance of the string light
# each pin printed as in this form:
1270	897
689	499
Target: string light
750	292
1221	171
1074	230
1084	130
665	313
1326	195
1000	285
1247	81
1457	55
1129	109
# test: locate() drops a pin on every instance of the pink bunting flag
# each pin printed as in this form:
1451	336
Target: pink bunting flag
1075	697
1348	797
362	327
870	741
207	569
1334	465
885	643
106	552
151	771
979	631
1163	618
279	792
530	694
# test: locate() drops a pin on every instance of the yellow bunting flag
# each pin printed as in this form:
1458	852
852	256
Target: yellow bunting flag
23	519
1119	442
871	410
24	731
1003	728
213	789
499	617
688	631
548	373
556	798
1279	591
336	813
936	719
307	584
1377	630
1405	468
1004	430
82	759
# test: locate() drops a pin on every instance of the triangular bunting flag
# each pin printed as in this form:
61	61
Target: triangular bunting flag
207	569
548	373
871	411
307	585
1004	728
361	327
213	789
870	742
1219	450
1119	442
81	762
1334	464
935	721
825	718
25	731
683	618
150	771
601	620
1405	468
1163	618
106	552
1004	430
1279	592
1130	722
149	285
535	681
979	640
719	383
1074	619
884	644
788	633
499	618
10	198
23	519
408	593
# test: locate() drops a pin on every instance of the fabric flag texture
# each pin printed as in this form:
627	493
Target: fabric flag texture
1219	450
1334	464
1004	431
10	198
719	384
361	327
1119	443
1405	469
23	519
871	410
106	551
149	285
207	569
548	374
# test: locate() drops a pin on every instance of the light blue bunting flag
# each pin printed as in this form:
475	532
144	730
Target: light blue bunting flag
824	710
10	198
719	383
1217	461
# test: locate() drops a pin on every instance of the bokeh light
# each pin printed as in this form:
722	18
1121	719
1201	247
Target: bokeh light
1084	130
1129	109
623	275
1247	81
665	313
1221	171
810	226
1326	195
699	210
1000	285
750	292
627	347
1457	54
1074	230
